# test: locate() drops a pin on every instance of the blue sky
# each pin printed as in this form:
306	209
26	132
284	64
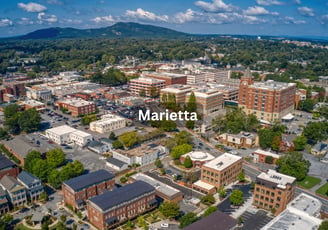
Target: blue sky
254	17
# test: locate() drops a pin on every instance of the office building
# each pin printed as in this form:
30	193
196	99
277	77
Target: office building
77	106
108	123
169	78
178	92
146	85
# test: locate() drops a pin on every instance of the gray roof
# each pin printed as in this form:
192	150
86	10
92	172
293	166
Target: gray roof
320	146
116	162
2	192
89	179
94	144
216	221
5	162
27	178
120	195
9	182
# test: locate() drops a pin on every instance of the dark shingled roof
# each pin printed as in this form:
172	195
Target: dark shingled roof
27	178
89	179
120	195
5	162
216	221
115	161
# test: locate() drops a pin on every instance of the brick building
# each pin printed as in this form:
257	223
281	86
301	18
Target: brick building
259	156
243	139
179	92
77	106
220	172
15	88
7	167
268	100
77	190
108	210
141	84
273	191
169	78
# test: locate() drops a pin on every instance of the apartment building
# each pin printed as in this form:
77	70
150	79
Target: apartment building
241	140
7	167
32	184
273	191
230	93
77	106
268	100
147	85
169	78
108	123
15	191
208	101
178	91
108	210
219	172
4	204
196	79
77	190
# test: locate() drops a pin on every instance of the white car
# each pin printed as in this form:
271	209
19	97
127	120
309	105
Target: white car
164	225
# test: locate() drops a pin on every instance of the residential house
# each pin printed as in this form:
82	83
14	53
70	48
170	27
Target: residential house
4	204
7	167
32	184
319	148
15	191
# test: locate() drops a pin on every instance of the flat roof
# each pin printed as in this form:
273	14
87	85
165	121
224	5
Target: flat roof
280	179
159	186
267	153
272	85
147	80
306	203
222	161
81	133
61	130
204	185
164	74
199	156
76	102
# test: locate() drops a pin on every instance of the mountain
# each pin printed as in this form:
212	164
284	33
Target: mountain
118	30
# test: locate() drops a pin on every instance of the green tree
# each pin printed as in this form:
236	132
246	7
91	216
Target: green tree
209	211
237	197
183	137
44	196
208	199
191	105
316	131
29	120
188	219
179	150
54	178
187	162
117	144
158	163
8	218
190	124
29	160
241	176
269	160
323	225
293	164
276	143
40	168
300	143
2	225
11	118
323	111
169	209
129	139
3	134
55	157
141	222
307	105
222	192
168	126
219	123
112	136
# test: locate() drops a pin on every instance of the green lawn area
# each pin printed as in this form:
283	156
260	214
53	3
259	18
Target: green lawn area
308	182
323	189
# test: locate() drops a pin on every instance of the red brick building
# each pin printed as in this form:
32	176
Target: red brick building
84	96
77	190
146	85
108	210
7	167
259	156
77	106
169	78
268	100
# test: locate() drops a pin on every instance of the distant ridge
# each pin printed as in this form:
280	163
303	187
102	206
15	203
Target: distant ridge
118	30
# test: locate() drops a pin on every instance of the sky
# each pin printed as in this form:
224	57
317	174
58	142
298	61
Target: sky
250	17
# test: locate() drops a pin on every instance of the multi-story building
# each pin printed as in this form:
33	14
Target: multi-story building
220	172
38	93
66	134
7	167
208	101
196	79
273	191
241	140
4	204
111	208
268	100
179	93
147	85
197	158
15	88
15	191
169	78
230	93
260	156
108	123
77	190
77	106
33	104
32	184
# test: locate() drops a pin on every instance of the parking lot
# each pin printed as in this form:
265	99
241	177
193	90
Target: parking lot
255	221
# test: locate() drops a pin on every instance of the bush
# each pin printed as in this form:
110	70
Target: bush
123	179
208	199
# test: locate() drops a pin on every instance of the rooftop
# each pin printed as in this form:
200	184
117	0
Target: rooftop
203	184
115	162
223	161
266	153
9	182
278	178
81	133
33	103
61	130
147	80
163	74
199	156
77	102
306	203
110	199
107	119
27	178
272	85
89	179
177	88
159	186
5	162
142	150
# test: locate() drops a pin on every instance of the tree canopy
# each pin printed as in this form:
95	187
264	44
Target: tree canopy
237	197
169	209
188	219
179	150
293	164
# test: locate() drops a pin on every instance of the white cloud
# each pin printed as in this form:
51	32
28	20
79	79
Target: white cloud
55	2
25	21
298	2
215	6
103	19
32	7
47	18
323	19
269	2
305	11
291	20
5	22
256	10
183	17
71	21
144	15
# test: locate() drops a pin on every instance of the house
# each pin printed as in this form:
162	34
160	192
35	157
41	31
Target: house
111	208
98	147
15	191
241	140
7	167
77	190
32	184
4	204
116	164
319	148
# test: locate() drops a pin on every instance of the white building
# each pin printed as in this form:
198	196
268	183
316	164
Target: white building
66	134
69	75
38	93
108	123
301	213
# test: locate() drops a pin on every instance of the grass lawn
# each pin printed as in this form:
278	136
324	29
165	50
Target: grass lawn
308	182
323	189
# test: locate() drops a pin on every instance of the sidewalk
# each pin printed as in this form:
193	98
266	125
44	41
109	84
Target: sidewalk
243	208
